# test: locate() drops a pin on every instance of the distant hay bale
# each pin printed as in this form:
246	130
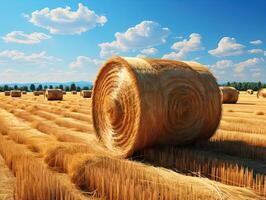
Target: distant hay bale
74	92
139	102
24	92
86	93
7	93
250	91
53	94
64	92
15	93
41	92
261	93
36	93
229	94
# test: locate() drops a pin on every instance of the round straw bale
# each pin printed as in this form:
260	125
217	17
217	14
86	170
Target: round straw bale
7	93
261	93
24	92
139	102
64	92
74	92
54	94
86	93
41	92
250	91
229	94
15	93
36	93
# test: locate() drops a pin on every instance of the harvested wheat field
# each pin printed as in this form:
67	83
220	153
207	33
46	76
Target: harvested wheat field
52	150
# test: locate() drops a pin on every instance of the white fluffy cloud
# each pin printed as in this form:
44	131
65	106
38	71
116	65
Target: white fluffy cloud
11	56
65	21
255	51
222	64
182	48
227	47
149	51
83	62
144	35
23	38
240	67
256	42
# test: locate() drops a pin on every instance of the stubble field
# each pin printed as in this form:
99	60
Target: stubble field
51	149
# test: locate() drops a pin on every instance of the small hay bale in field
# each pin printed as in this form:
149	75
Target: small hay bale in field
86	93
15	93
7	93
54	94
64	92
41	92
229	94
74	92
250	91
36	93
24	92
261	93
139	102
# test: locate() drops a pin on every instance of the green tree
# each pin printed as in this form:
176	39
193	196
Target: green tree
73	87
61	87
67	88
32	87
6	88
51	87
39	88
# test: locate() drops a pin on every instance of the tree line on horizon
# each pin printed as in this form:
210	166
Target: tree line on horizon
41	87
243	86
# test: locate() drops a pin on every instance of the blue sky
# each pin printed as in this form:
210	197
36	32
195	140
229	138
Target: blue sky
59	40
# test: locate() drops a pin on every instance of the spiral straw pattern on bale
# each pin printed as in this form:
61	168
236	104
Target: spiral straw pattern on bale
229	94
261	93
54	94
141	102
15	93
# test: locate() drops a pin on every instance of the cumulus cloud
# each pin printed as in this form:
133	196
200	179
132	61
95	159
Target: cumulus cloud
147	34
255	51
182	48
10	56
65	21
83	61
23	38
239	67
223	64
227	47
256	42
149	51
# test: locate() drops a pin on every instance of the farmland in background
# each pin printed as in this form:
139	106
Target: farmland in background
52	150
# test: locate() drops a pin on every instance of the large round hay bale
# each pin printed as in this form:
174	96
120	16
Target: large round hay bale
261	93
74	92
250	91
53	94
15	93
139	102
229	94
86	93
24	92
7	93
36	93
